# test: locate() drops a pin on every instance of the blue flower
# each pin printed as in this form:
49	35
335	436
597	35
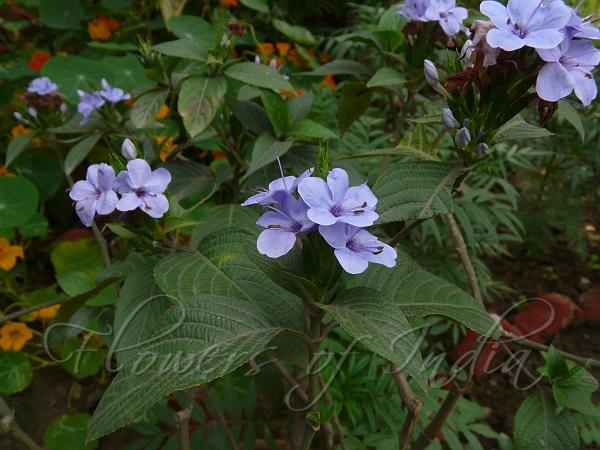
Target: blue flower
335	201
42	86
88	103
287	219
143	188
581	27
569	68
95	194
355	247
288	184
533	23
113	94
414	10
448	15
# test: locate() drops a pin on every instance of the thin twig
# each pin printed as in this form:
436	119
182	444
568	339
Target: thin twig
336	421
207	394
9	425
585	362
461	249
31	309
290	379
102	243
431	431
413	404
183	417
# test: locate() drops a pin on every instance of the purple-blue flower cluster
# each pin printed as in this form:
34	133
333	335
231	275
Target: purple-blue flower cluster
445	12
139	187
92	101
339	211
559	35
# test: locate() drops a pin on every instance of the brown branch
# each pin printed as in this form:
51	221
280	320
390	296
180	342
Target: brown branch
461	249
336	420
413	404
290	379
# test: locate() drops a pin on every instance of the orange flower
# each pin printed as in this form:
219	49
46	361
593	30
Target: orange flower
297	93
14	336
38	59
324	58
162	113
329	82
128	102
283	48
19	130
46	313
100	29
294	57
265	49
9	254
166	146
228	3
5	173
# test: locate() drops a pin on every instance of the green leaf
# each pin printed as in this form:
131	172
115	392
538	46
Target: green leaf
199	100
377	322
18	201
419	293
68	433
80	151
222	217
15	372
277	111
61	14
567	112
537	427
385	77
42	167
36	226
224	316
415	190
308	129
259	75
82	255
113	46
295	33
80	359
182	48
117	6
266	150
399	150
191	182
518	129
250	114
299	107
258	5
341	67
194	27
16	147
72	72
354	101
74	282
146	107
125	72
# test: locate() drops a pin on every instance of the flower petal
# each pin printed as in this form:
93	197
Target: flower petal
338	183
505	40
129	201
544	39
387	257
86	210
585	88
321	216
107	201
553	82
82	190
275	243
365	219
138	171
350	261
497	13
315	193
105	177
155	205
158	181
121	183
337	235
276	218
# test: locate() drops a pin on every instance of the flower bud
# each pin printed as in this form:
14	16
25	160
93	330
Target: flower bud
431	74
462	138
20	118
482	149
448	119
128	150
32	112
63	108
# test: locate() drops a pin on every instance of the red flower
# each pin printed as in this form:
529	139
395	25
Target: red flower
38	59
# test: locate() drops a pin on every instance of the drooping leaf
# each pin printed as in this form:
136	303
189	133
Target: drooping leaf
341	67
258	5
419	293
146	107
299	107
415	190
250	114
80	151
308	129
199	100
537	427
16	147
277	111
354	101
518	129
385	77
567	112
182	48
259	75
295	33
266	150
377	322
